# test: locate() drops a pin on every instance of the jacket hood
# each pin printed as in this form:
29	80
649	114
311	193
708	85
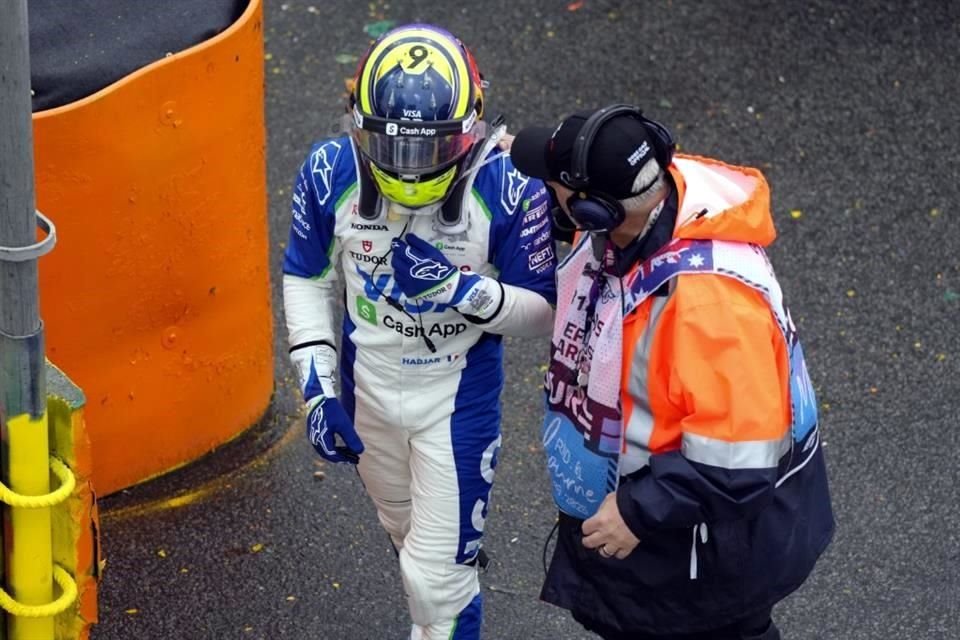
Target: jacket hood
718	201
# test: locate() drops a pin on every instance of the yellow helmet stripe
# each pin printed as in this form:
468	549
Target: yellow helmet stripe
453	55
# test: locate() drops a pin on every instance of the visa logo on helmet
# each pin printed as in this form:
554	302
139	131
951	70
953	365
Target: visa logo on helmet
639	154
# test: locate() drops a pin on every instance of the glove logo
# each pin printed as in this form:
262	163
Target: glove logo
427	268
316	420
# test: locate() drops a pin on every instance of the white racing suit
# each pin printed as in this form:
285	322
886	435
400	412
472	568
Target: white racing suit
429	420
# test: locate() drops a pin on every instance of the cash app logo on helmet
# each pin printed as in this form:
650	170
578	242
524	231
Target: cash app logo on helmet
417	102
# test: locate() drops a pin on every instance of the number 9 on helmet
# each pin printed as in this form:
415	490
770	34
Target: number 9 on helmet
417	102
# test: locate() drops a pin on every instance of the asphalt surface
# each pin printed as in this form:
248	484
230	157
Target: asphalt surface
850	109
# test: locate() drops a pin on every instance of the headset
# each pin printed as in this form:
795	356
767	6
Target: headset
594	210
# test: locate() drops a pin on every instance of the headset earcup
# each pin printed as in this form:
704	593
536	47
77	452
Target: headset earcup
595	212
664	144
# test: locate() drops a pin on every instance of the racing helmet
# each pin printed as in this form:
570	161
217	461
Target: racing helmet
417	101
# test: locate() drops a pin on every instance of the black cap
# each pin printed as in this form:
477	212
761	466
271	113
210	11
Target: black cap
620	149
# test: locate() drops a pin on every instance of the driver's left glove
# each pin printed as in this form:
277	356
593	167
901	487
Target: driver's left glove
423	273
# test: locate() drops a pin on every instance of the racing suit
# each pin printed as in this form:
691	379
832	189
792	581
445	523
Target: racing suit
421	381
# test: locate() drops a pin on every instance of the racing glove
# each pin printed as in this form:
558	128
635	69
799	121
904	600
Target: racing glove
423	273
326	419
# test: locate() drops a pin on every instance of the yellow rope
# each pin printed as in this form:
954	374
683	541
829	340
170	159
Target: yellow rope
68	589
67	484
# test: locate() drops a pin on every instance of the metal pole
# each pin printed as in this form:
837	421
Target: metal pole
19	301
25	461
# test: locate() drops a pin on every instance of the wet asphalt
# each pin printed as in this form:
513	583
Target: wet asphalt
850	109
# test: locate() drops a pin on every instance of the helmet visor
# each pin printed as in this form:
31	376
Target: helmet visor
413	147
411	155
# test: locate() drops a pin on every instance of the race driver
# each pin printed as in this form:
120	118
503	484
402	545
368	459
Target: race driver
444	247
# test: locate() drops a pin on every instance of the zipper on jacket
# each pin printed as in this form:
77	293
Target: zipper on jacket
699	531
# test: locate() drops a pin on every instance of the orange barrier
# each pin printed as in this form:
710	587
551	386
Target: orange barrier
156	300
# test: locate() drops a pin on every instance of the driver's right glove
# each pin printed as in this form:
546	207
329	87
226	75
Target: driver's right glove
326	419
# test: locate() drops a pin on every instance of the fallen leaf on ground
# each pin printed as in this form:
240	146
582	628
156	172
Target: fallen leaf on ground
377	29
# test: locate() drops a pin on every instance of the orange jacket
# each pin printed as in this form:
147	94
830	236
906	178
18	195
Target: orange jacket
715	366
